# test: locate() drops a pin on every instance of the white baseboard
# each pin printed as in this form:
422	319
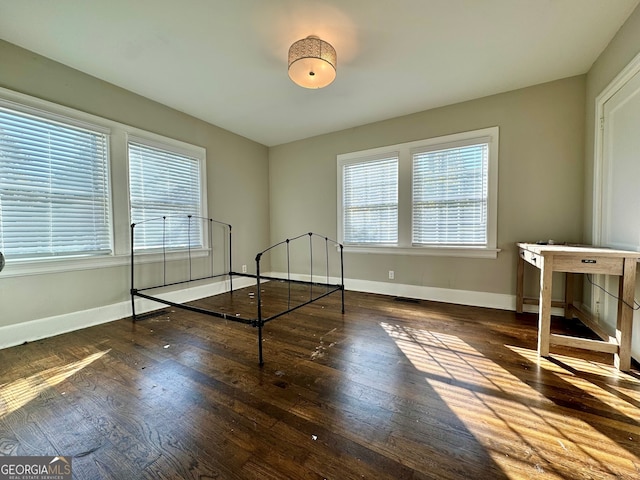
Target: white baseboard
499	301
33	330
461	297
17	334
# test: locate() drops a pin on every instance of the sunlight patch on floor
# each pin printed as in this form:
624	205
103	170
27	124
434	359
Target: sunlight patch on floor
522	429
565	364
18	393
601	383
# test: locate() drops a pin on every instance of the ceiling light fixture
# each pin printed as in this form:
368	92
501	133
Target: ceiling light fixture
312	62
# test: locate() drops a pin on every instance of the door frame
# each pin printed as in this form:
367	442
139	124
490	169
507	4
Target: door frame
628	72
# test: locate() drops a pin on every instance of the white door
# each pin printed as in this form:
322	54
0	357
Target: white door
621	195
620	226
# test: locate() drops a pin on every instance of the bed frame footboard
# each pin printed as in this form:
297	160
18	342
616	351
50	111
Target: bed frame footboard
260	320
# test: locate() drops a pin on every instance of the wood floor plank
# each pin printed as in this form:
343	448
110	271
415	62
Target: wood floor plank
390	390
25	436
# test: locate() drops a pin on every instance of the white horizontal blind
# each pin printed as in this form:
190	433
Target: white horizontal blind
450	188
54	191
163	183
370	202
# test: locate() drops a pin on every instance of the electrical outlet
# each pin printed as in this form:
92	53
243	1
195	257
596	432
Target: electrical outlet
392	275
244	269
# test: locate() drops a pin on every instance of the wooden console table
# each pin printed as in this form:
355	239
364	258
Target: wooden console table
580	260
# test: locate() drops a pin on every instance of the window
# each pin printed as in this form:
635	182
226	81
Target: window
450	195
435	197
371	202
165	182
64	186
54	185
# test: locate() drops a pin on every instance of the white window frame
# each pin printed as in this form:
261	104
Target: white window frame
118	189
180	148
404	245
64	121
364	161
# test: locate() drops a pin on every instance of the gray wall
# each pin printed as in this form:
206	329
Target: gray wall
618	54
540	187
237	169
620	51
545	177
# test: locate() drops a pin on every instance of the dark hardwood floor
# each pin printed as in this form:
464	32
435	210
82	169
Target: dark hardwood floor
390	390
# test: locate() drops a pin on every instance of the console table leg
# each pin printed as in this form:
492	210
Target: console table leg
568	295
544	314
520	284
622	359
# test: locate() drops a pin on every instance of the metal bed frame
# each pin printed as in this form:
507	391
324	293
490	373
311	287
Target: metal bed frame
260	320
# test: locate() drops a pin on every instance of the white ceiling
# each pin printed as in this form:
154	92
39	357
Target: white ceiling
225	61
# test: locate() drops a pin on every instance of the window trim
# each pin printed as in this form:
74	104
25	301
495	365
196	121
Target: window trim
118	188
386	155
65	122
180	148
405	195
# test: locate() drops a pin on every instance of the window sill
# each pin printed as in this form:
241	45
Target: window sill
26	267
466	252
